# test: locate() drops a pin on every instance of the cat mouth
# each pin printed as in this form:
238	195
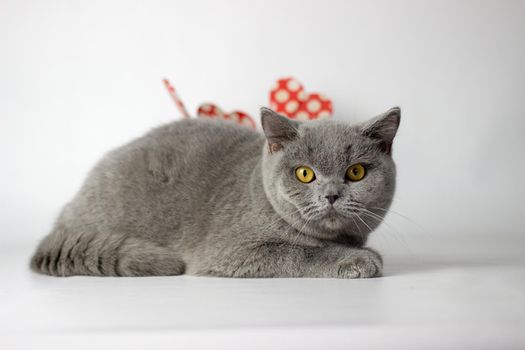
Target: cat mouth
332	213
329	218
333	217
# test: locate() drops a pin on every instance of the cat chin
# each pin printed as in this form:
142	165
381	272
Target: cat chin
333	220
329	226
333	223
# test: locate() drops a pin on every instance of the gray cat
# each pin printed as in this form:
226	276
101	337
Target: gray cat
205	197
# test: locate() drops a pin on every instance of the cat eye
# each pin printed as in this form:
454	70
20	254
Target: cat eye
305	174
355	172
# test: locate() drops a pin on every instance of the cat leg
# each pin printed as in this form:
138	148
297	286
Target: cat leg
138	259
65	254
285	260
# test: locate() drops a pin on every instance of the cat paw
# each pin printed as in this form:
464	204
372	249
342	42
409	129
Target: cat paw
364	263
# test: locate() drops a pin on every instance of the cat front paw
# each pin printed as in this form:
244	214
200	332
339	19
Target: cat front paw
363	263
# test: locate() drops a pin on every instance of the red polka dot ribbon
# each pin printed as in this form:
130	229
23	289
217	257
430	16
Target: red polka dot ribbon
176	99
212	111
209	110
288	98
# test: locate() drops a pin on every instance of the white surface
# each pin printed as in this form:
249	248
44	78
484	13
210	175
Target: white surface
80	77
452	295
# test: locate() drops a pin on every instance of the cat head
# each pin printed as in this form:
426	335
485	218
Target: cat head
329	179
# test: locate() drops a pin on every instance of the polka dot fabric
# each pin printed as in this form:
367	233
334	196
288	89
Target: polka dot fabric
288	98
209	110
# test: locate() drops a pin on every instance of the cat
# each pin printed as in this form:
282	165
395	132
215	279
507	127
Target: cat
210	198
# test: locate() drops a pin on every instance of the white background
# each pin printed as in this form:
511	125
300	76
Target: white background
78	78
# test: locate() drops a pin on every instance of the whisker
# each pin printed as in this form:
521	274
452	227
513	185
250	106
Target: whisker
424	230
396	235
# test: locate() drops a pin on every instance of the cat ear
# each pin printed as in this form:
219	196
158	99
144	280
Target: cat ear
278	129
383	128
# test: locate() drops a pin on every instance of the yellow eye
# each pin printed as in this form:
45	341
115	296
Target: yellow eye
305	174
355	172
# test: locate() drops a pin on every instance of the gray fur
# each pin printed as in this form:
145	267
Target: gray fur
205	197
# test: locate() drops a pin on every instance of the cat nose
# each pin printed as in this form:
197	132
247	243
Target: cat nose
332	198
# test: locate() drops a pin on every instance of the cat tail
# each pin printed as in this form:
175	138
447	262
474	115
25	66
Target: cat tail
63	253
